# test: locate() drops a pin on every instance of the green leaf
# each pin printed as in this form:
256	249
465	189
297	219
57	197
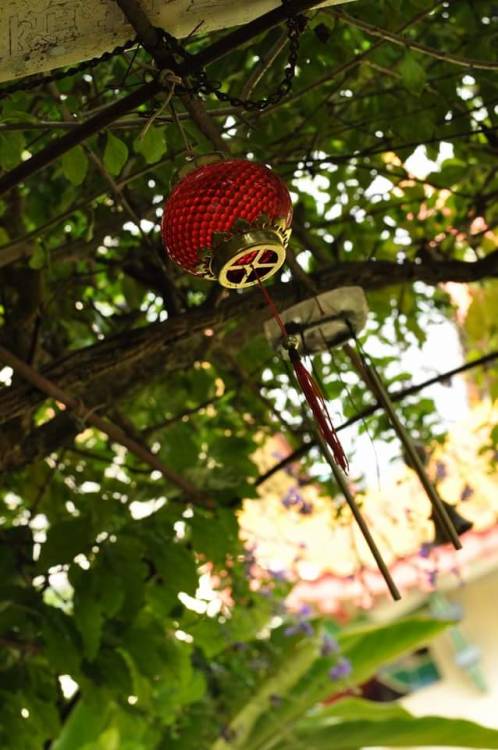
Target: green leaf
370	646
61	641
209	635
115	154
75	165
89	621
404	731
367	647
215	535
65	540
179	448
412	73
39	257
85	723
151	144
301	656
355	709
88	609
176	566
11	148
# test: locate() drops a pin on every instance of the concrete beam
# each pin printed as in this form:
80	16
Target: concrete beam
40	35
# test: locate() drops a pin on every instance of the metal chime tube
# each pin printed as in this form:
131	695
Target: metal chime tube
373	381
343	486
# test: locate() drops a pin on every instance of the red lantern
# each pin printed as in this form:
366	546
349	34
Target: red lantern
228	220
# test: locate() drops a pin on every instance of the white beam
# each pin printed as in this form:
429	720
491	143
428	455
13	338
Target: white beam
41	35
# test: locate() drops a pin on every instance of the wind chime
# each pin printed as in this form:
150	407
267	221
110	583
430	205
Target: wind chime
229	220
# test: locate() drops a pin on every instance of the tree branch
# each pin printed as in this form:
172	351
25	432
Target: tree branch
403	41
86	415
93	125
116	366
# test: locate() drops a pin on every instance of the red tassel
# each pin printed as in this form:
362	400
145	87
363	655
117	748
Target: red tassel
310	388
318	406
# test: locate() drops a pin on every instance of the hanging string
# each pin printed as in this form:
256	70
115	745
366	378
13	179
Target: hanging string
170	81
310	388
188	146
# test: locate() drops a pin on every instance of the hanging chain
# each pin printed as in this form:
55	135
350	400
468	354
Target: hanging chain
200	82
31	83
202	85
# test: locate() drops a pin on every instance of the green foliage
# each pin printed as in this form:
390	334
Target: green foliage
115	154
103	562
269	709
11	148
75	165
412	73
151	144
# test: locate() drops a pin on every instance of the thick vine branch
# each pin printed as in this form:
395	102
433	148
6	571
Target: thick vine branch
113	368
93	125
404	41
82	412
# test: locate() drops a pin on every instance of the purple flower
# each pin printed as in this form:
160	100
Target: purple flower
278	575
341	670
329	646
293	497
305	610
425	550
299	627
441	471
306	627
432	577
466	493
291	630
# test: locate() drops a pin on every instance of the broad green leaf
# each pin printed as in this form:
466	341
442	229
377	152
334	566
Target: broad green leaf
61	641
65	539
301	658
353	709
179	447
39	257
75	165
215	535
89	621
115	154
393	732
84	725
11	147
151	144
367	647
370	646
175	565
209	635
412	73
